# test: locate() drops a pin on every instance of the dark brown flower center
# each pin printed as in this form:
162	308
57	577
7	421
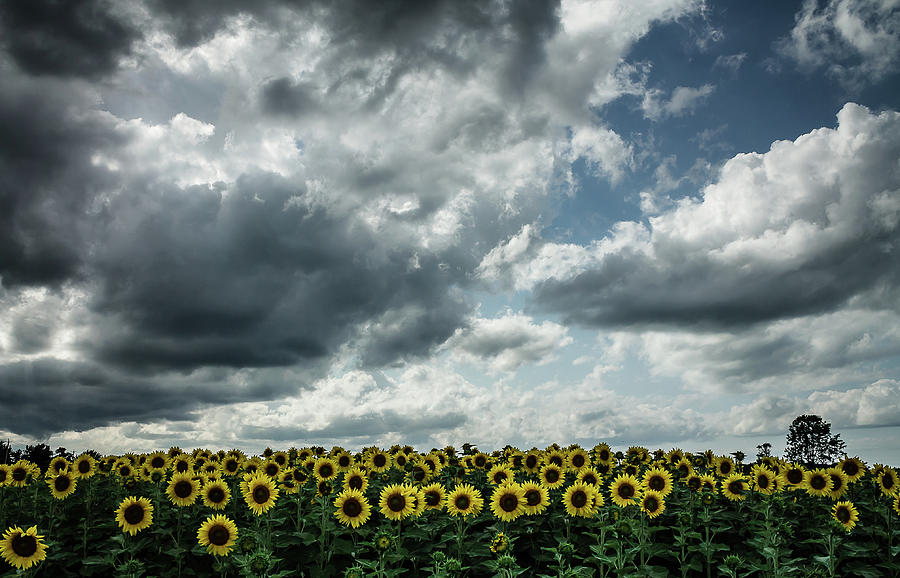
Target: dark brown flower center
215	495
843	514
531	462
836	483
556	460
725	468
462	503
219	535
480	461
432	498
694	483
626	491
736	487
19	474
352	508
795	476
24	545
261	494
590	479
272	470
851	468
134	514
124	471
379	460
344	461
818	482
509	502
62	483
657	483
183	489
579	498
418	474
887	481
762	481
552	476
231	466
396	502
355	482
603	455
578	460
499	477
157	462
651	504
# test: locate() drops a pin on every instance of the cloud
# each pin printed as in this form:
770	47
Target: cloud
684	100
504	344
730	62
70	39
856	41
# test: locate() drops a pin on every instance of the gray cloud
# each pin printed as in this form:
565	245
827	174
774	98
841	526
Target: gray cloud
81	39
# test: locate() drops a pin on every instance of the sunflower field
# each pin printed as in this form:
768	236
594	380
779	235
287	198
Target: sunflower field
552	512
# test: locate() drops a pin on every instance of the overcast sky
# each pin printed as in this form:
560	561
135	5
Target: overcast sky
666	223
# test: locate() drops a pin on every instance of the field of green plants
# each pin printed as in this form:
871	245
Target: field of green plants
398	512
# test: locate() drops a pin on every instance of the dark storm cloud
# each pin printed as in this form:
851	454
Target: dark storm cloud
82	38
251	276
46	178
282	96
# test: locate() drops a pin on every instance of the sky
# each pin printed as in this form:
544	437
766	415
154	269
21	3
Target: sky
670	223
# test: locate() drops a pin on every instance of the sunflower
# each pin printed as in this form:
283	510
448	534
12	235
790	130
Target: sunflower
134	514
818	483
343	460
532	461
355	479
589	476
839	482
378	461
418	499
556	457
694	482
62	485
499	543
897	503
481	461
735	487
464	500
508	502
888	482
764	480
578	459
4	475
602	453
325	469
420	472
158	461
396	502
791	476
352	508
724	466
853	467
219	534
674	456
683	468
19	472
582	500
500	474
653	503
551	476
215	494
183	490
124	469
84	466
22	548
259	492
537	498
281	458
57	465
658	480
624	490
231	465
637	455
434	496
182	464
846	514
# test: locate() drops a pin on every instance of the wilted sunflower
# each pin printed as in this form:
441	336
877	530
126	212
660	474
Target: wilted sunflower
624	490
888	482
183	490
355	479
464	500
396	502
818	483
658	480
19	472
735	487
508	502
219	534
653	503
352	508
551	476
839	482
215	494
845	513
259	492
378	461
500	474
764	480
581	500
792	476
853	467
434	496
578	459
134	514
23	548
62	485
84	466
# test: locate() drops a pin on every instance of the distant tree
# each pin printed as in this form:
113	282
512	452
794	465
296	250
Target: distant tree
39	454
764	450
810	442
